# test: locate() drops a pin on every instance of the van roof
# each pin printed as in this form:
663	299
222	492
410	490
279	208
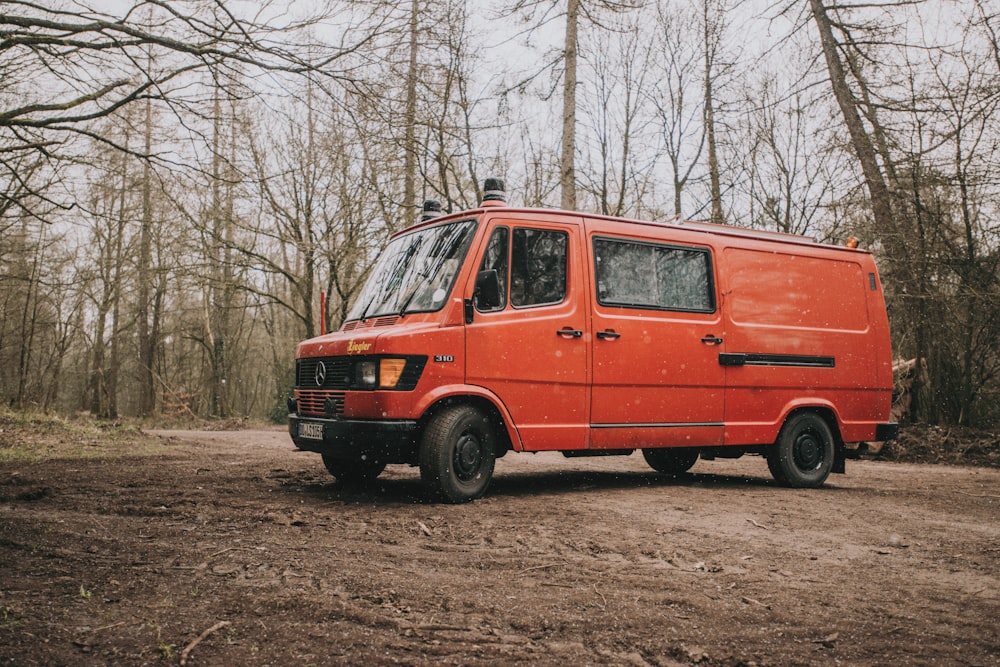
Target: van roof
675	222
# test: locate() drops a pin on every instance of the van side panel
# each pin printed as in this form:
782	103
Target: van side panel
795	292
879	317
798	333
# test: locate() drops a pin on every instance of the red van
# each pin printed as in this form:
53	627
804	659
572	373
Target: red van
510	329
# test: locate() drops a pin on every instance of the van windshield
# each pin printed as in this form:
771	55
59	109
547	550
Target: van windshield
416	271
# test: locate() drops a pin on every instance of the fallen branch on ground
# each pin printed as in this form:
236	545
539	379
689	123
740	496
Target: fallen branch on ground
190	647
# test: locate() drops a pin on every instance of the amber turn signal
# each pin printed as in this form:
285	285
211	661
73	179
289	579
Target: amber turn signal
390	371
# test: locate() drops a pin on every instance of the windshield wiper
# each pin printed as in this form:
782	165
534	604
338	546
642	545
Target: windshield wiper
409	298
424	279
364	313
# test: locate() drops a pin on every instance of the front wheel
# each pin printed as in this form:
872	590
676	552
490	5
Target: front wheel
360	470
671	460
803	455
457	454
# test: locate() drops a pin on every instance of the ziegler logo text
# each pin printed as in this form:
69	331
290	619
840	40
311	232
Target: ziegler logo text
357	348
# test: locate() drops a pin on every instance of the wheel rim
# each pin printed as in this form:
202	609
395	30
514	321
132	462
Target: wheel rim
468	457
807	452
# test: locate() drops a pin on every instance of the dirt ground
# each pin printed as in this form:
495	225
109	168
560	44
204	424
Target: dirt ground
229	548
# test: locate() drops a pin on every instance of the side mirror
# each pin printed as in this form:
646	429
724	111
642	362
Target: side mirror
488	294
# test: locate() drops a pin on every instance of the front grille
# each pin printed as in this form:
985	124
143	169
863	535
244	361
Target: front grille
313	402
337	373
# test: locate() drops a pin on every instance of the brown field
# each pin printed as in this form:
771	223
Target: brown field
229	548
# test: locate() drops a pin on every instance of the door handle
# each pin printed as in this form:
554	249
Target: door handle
572	333
710	339
609	334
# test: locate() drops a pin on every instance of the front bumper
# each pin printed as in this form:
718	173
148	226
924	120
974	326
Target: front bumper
394	441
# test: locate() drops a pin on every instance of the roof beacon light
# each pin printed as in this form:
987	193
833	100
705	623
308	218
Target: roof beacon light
431	210
493	192
852	242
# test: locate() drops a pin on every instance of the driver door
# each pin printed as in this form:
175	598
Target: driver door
531	349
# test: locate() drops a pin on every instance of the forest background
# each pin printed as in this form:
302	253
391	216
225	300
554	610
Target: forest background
180	180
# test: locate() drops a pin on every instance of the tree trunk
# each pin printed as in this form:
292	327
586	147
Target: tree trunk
878	190
29	319
114	363
567	166
106	359
217	329
146	391
410	118
715	180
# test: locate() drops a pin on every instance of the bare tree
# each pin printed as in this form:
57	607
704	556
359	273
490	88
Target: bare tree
674	97
956	111
591	10
990	23
869	144
321	204
617	107
111	210
37	312
455	116
713	16
567	159
789	173
78	62
861	139
919	127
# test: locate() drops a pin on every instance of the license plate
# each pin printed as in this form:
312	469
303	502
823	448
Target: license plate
310	431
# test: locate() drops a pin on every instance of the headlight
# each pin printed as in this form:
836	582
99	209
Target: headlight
388	373
366	374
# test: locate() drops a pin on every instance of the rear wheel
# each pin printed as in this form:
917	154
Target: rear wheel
671	460
457	454
803	455
360	470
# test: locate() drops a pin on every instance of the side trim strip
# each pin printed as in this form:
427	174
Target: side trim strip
752	359
659	425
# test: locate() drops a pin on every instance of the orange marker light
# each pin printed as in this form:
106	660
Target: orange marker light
390	371
852	242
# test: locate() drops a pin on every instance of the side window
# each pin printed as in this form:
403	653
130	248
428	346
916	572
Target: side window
538	267
495	259
648	275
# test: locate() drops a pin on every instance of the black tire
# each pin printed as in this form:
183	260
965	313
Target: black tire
457	454
774	467
361	470
671	460
803	455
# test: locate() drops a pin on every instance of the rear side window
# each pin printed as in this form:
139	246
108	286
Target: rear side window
637	274
537	267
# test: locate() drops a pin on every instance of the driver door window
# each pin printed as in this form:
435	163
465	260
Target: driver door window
538	267
537	261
